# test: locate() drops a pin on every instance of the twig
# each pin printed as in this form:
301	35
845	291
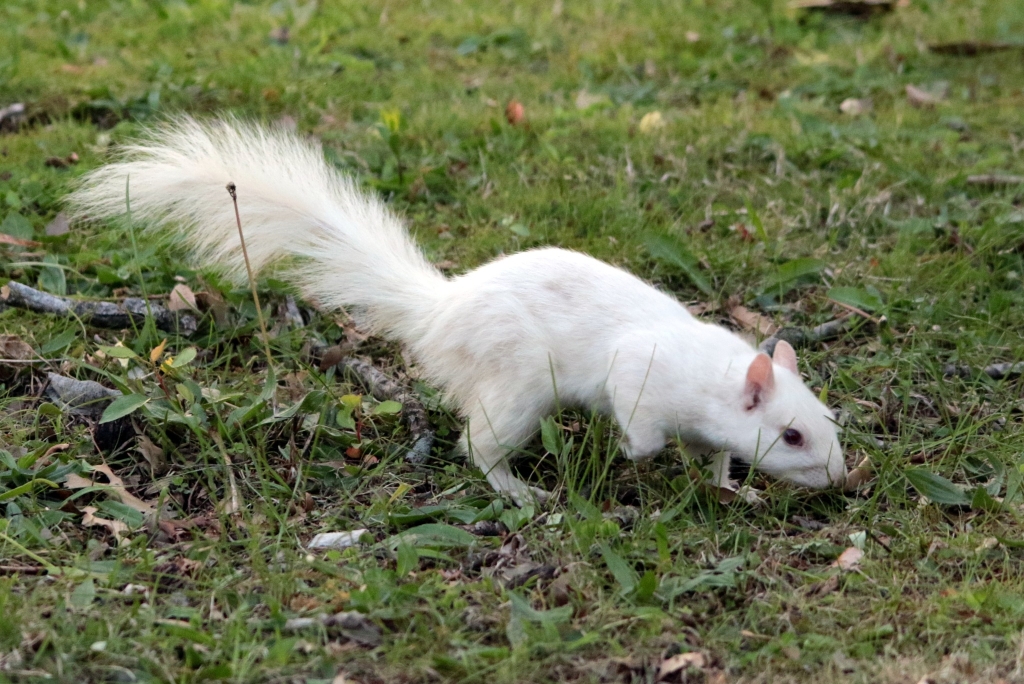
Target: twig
21	570
233	504
100	314
995	179
804	337
252	281
382	388
996	371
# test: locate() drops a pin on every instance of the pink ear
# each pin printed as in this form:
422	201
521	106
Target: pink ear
760	381
785	356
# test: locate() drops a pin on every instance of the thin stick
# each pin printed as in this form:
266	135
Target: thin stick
248	268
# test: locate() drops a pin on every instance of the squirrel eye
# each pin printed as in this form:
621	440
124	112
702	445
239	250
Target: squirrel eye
793	437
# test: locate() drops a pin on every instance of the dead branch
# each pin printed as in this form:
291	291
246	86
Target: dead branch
384	388
996	371
100	314
805	337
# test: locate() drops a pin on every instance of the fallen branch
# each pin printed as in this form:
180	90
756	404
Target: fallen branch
100	314
805	337
78	397
996	371
384	388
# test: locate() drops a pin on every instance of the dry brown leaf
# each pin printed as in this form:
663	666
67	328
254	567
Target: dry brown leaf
157	351
14	348
919	97
115	488
680	661
859	475
701	308
751	320
514	112
854	106
76	481
849	559
115	527
182	299
153	454
824	588
725	495
214	303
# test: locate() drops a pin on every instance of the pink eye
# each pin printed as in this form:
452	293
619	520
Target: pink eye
793	437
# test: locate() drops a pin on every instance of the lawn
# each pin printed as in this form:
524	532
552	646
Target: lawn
771	167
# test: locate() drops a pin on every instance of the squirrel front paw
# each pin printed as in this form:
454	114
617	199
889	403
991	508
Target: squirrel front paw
529	495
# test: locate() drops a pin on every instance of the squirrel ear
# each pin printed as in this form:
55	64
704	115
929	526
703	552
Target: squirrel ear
760	382
785	356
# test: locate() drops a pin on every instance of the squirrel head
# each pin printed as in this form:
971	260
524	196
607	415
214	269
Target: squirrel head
786	431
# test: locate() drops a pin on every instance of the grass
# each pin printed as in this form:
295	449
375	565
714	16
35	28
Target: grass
755	189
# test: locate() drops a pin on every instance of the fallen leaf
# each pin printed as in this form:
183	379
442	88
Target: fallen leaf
586	100
514	112
651	122
919	97
214	303
157	351
280	35
14	348
59	225
115	527
753	321
854	106
849	559
859	475
680	661
725	495
182	299
332	357
153	454
115	488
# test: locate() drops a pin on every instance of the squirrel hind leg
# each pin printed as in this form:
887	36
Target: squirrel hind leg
490	438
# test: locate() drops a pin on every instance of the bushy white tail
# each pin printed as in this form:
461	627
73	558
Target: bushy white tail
349	249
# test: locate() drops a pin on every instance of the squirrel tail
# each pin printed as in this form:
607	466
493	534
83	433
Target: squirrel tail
346	247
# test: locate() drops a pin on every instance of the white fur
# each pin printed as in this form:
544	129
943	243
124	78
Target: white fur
507	341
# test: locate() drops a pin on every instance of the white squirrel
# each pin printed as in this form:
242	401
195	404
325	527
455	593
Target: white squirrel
507	342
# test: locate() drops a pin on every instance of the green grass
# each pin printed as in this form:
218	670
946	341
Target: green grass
650	564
